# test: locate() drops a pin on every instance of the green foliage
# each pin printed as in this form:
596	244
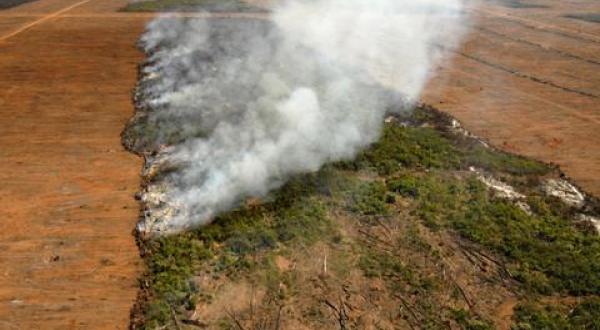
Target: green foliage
548	253
307	222
415	277
437	195
520	4
383	265
279	285
5	4
425	147
402	274
586	17
545	252
531	316
406	279
369	198
295	216
188	5
469	322
586	315
406	185
171	262
401	147
296	212
496	161
534	316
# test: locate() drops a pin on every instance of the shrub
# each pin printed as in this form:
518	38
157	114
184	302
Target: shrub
496	161
548	252
369	198
533	315
401	147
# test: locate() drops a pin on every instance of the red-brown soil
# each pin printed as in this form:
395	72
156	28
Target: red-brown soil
528	80
67	255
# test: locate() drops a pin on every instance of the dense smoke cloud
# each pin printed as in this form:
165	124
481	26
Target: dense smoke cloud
244	104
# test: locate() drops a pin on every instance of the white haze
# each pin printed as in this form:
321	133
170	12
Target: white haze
260	102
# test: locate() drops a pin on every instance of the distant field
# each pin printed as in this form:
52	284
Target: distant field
191	5
518	4
5	4
588	17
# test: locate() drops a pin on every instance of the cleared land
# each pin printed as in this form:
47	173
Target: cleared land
528	79
67	257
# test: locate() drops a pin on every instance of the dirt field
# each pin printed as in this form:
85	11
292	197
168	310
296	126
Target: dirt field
67	256
528	79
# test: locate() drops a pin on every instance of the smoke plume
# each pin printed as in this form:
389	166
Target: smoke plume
243	104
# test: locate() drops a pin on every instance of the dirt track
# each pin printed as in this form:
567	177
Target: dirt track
67	256
528	80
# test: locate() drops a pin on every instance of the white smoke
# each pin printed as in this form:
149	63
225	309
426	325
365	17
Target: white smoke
254	102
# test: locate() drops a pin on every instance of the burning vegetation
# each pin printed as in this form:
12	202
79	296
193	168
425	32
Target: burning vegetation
230	109
406	235
298	190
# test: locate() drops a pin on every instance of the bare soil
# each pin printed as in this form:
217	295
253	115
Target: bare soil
67	255
528	80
